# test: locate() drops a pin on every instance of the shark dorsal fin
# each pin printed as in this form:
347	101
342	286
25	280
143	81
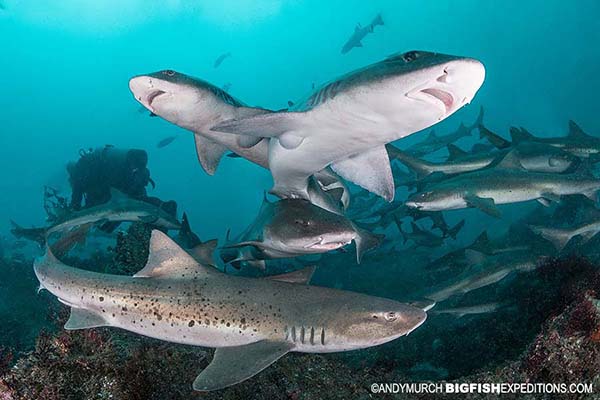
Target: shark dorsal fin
455	152
510	161
415	227
301	276
167	260
481	242
575	131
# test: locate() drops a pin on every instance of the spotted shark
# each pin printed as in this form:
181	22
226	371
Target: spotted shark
251	322
346	123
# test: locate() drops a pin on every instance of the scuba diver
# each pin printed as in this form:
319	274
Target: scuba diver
99	170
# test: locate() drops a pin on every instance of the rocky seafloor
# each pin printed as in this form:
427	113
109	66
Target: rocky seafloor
550	333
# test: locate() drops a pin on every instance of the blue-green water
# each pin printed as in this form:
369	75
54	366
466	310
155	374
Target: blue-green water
66	64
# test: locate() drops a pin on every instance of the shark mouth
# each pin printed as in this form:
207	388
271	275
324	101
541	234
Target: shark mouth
320	244
153	95
440	95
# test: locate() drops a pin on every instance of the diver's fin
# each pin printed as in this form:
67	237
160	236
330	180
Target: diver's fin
455	152
486	205
209	153
83	319
231	365
204	252
301	276
365	241
167	260
263	125
370	170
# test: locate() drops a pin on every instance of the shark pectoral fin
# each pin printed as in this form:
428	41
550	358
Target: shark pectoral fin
263	125
209	153
204	252
474	257
370	170
83	319
231	365
592	195
248	141
167	260
551	197
148	219
544	202
301	276
365	241
486	205
425	305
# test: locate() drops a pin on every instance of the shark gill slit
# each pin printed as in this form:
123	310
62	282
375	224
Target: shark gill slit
312	335
302	335
294	334
323	336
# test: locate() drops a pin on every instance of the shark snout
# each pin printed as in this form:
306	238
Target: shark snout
145	90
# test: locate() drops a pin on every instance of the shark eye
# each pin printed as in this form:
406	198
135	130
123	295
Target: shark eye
410	56
302	222
169	72
390	316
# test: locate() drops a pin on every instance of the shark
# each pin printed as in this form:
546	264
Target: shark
359	34
346	123
252	322
577	141
560	237
293	227
460	312
119	208
507	182
197	105
537	157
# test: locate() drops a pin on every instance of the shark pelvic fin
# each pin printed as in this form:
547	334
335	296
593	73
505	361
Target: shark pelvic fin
231	365
209	153
83	319
167	260
370	170
301	276
486	205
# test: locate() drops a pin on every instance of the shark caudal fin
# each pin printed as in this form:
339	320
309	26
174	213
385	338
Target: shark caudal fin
496	140
558	237
421	168
365	241
231	365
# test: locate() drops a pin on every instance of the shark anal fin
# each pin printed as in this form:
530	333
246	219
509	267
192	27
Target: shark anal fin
370	170
209	153
83	319
231	365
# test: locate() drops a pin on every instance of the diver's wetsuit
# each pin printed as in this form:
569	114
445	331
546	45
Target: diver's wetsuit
99	170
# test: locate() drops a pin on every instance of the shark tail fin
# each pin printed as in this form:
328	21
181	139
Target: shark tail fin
365	241
453	232
496	140
558	237
378	20
421	168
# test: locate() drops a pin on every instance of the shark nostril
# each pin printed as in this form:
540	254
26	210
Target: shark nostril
444	78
